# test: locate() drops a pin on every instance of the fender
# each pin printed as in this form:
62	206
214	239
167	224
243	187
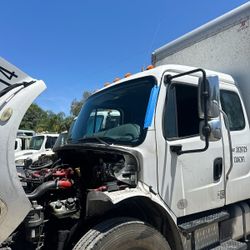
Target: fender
139	200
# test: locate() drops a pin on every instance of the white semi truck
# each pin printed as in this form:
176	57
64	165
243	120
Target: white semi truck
40	145
171	171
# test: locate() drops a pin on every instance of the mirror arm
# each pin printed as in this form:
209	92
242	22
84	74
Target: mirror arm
178	148
169	78
206	129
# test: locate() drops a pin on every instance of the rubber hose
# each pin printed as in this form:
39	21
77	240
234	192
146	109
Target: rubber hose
42	189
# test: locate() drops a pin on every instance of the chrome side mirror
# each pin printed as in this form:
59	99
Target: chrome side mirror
209	89
215	130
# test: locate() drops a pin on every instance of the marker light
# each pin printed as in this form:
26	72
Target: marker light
116	79
127	75
106	84
150	67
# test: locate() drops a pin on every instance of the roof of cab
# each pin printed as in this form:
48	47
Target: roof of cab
158	72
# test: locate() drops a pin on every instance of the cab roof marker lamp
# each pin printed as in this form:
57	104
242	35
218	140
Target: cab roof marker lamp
151	106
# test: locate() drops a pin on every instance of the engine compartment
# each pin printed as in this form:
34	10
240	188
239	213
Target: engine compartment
58	188
101	167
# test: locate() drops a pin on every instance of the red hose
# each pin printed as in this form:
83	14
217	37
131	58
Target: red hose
64	184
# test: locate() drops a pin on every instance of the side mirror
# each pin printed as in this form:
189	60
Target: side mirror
215	130
208	106
209	89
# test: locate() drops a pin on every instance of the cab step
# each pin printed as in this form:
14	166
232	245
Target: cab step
231	245
190	226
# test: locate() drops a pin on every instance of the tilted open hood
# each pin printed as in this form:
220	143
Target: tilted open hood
17	92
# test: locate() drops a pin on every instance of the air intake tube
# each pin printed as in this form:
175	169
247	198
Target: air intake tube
49	185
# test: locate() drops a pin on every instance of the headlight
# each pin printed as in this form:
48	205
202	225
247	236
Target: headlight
20	162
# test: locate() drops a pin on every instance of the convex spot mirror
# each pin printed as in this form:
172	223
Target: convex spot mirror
210	88
215	130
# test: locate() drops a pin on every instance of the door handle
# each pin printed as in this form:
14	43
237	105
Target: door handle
217	168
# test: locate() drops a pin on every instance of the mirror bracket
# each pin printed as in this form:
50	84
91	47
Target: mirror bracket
206	129
167	79
176	149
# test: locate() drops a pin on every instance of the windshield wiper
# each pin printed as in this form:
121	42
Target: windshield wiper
95	138
13	86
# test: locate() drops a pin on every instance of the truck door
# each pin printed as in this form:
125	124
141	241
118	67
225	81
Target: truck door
17	92
190	182
237	170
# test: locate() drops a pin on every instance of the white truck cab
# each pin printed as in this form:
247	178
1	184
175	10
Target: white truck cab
40	144
18	144
23	138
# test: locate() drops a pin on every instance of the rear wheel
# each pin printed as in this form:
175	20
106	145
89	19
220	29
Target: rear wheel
124	234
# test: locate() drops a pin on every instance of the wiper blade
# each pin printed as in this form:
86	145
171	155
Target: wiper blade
95	138
13	86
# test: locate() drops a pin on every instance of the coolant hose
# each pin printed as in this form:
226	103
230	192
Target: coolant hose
49	185
42	189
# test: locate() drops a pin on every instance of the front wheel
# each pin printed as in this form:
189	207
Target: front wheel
124	234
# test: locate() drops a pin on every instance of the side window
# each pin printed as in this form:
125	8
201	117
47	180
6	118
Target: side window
50	142
181	112
230	103
170	118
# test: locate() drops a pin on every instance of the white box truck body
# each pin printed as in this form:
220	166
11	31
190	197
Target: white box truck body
221	45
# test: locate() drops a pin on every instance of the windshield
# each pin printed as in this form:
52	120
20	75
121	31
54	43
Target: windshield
115	115
36	142
61	140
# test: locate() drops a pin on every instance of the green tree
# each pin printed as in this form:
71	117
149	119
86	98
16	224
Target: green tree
33	117
76	105
53	122
41	121
67	122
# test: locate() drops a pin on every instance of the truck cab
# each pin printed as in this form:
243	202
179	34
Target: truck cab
40	144
23	139
165	120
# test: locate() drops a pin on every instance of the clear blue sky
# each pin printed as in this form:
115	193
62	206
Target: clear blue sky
79	45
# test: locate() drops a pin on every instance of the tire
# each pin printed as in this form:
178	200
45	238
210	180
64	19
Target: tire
124	234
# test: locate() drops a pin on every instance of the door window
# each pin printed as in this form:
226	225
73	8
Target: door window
230	103
181	112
